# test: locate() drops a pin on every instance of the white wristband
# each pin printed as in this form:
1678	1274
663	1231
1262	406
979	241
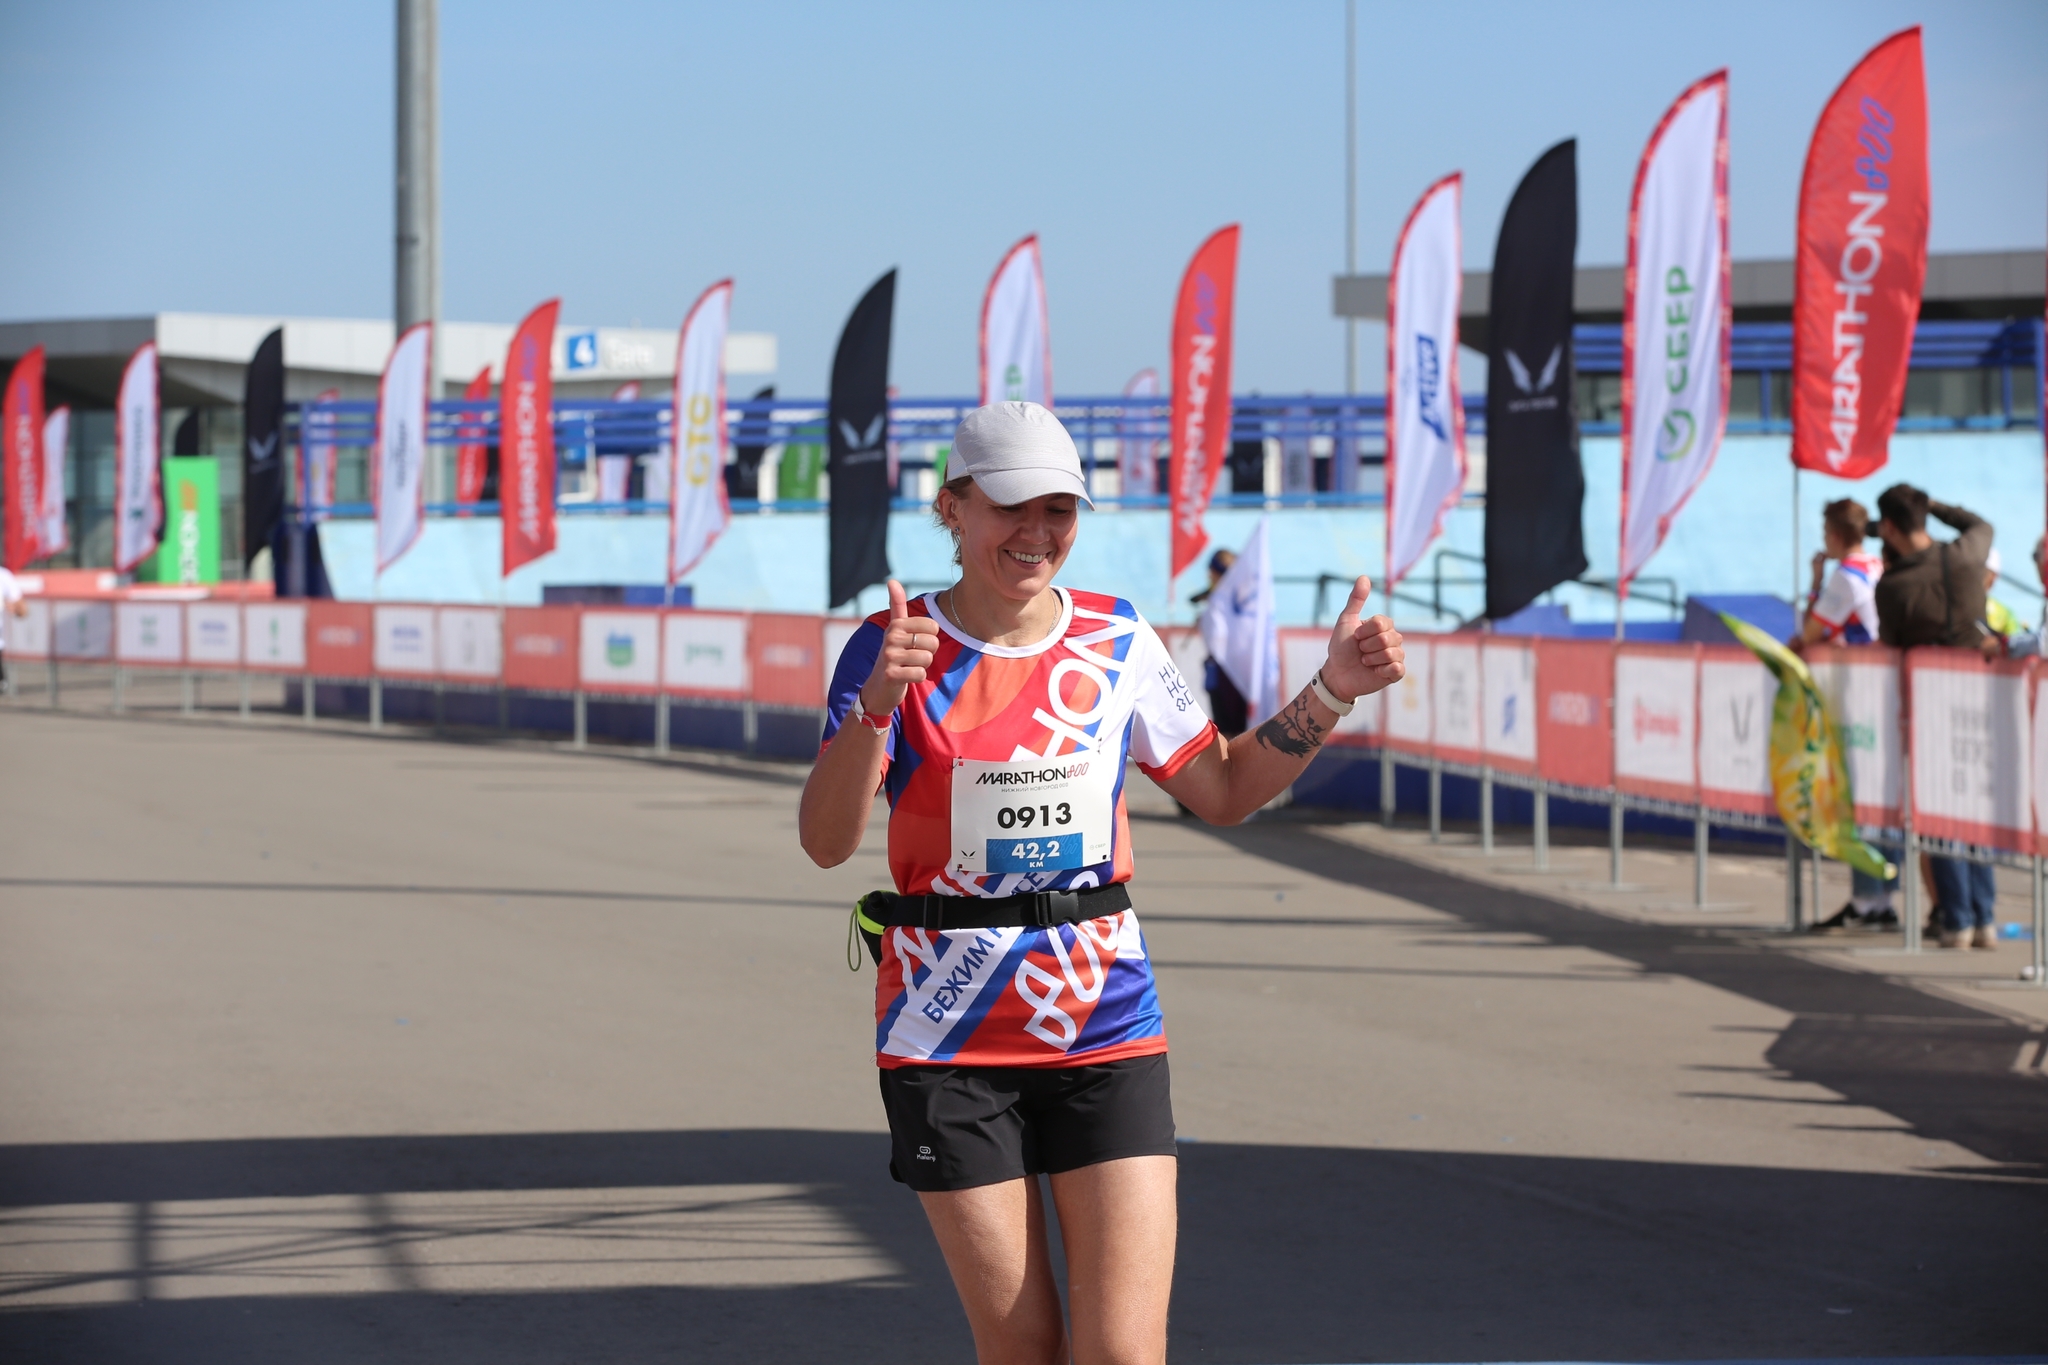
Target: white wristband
1329	698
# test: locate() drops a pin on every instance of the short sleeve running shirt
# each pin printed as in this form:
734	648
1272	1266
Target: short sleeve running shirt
967	753
1847	605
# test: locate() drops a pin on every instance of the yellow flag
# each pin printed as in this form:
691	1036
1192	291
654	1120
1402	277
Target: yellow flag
1809	777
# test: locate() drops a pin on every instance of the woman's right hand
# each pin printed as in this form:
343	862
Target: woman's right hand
908	644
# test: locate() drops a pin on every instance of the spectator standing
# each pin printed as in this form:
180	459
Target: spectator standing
13	602
1226	704
1933	594
1844	611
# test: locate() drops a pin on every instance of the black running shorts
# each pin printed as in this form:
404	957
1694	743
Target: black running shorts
956	1127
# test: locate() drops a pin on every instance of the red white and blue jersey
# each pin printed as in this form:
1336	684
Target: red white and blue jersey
1099	689
1847	607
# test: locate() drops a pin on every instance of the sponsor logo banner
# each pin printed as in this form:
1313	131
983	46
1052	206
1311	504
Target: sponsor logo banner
526	440
398	481
138	455
1016	338
1655	699
1677	319
149	633
1201	390
82	630
1863	207
620	651
1457	727
213	633
404	640
1507	686
697	509
1425	413
274	636
1736	696
703	653
1408	701
466	642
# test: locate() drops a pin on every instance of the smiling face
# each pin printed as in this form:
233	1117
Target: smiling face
1011	551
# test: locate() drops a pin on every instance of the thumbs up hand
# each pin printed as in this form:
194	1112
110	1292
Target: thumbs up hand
908	644
1365	654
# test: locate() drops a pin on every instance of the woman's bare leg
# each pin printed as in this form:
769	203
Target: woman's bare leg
993	1237
1117	1223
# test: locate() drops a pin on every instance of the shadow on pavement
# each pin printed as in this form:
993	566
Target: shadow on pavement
1287	1254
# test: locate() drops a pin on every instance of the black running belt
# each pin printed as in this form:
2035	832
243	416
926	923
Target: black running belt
1030	909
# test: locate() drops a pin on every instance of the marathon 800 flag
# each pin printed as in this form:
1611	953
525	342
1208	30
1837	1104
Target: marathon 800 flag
1677	319
1863	208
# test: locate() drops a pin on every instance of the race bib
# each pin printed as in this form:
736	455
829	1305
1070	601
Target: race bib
1041	815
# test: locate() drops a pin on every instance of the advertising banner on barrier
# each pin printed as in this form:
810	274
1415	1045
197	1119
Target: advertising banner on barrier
1970	741
1016	339
786	659
619	651
404	641
1425	466
1507	692
1736	695
82	630
149	633
2038	770
28	636
1407	705
274	636
1863	205
1861	685
338	639
467	645
1656	721
213	634
838	630
1303	650
540	648
1574	685
1677	319
1200	388
704	654
1456	729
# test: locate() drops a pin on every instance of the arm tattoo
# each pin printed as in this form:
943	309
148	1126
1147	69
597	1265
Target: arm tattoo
1294	731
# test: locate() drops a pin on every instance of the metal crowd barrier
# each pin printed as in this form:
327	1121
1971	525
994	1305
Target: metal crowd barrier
1942	747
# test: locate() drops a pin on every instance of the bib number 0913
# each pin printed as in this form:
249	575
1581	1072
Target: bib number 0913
1043	816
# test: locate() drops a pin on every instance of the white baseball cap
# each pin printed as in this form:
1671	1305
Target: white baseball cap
1015	452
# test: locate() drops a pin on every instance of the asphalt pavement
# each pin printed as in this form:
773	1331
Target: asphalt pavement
322	1046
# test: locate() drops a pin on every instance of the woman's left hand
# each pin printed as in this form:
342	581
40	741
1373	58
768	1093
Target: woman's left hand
1365	654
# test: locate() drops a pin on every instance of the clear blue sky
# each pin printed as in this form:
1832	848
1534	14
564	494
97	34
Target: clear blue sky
236	157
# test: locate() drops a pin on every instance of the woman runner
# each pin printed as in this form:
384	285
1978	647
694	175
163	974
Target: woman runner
1017	1028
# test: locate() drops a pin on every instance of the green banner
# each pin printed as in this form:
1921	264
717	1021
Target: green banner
1809	776
796	476
190	552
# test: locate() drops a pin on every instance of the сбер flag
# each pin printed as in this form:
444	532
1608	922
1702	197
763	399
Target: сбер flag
1535	484
1137	455
857	437
1016	338
398	485
1677	319
22	449
262	444
55	536
1240	625
473	454
1425	413
138	462
1863	206
526	439
697	509
1200	430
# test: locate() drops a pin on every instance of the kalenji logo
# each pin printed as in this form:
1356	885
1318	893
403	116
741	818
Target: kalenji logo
1664	724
